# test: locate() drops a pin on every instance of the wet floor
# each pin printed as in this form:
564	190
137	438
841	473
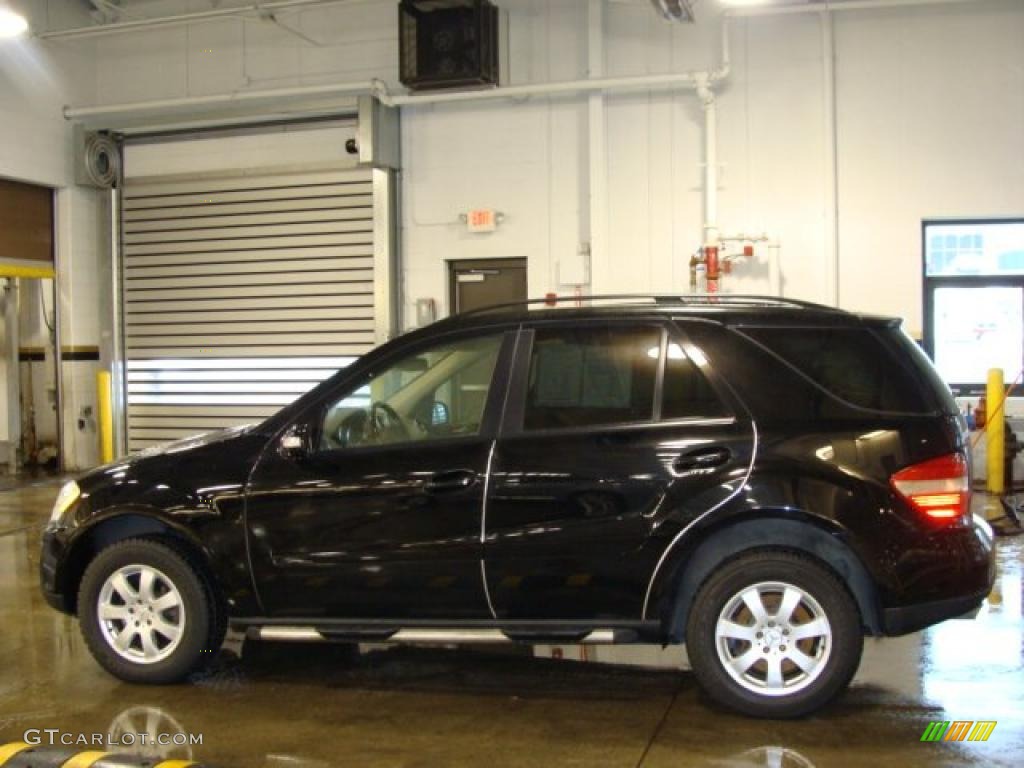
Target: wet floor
306	706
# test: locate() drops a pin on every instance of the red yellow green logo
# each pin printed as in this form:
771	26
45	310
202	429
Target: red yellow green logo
958	730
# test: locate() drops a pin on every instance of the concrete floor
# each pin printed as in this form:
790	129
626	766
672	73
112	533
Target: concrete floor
306	706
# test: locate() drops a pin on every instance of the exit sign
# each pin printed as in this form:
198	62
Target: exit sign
482	220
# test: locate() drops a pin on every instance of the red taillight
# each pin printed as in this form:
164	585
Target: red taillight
938	488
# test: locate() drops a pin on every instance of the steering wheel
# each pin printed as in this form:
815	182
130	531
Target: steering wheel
384	419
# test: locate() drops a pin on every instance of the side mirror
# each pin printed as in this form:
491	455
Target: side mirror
294	443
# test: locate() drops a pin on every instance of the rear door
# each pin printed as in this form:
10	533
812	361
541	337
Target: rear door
613	437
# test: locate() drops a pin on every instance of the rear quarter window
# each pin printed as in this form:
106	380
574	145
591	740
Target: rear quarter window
855	365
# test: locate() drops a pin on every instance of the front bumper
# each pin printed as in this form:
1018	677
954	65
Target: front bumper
51	561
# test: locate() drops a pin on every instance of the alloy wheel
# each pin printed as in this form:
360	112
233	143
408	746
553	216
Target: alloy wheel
141	614
773	638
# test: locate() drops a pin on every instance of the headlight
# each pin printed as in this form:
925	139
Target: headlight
68	495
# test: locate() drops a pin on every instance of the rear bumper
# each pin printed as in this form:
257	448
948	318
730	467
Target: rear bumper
910	618
959	577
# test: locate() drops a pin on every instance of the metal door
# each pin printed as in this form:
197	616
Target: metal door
485	282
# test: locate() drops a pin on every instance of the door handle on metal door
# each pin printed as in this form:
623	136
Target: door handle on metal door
455	480
702	458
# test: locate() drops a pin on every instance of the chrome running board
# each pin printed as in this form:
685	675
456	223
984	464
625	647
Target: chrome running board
433	636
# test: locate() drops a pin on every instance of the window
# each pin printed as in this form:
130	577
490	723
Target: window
436	393
974	248
582	377
854	365
974	299
686	393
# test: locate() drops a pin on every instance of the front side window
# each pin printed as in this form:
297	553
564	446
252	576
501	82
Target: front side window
436	393
583	377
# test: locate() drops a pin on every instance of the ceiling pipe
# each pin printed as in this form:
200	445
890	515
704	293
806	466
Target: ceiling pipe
845	5
183	19
157	107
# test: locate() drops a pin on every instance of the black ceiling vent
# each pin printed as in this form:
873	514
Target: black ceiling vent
448	43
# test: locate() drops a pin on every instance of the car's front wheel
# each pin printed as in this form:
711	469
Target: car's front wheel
773	634
146	612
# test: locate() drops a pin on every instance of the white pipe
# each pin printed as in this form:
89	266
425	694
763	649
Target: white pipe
831	146
707	98
846	5
774	268
597	150
182	19
377	88
134	108
568	87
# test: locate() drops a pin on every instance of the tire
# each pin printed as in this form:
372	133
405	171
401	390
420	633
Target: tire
726	641
157	632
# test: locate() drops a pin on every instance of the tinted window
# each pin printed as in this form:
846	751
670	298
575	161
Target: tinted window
850	363
581	377
686	393
435	393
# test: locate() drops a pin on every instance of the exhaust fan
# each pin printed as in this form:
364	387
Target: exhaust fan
448	43
675	10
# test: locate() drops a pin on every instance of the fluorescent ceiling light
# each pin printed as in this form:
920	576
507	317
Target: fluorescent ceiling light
11	24
745	3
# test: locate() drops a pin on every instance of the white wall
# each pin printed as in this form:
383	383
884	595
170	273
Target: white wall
930	122
36	81
930	107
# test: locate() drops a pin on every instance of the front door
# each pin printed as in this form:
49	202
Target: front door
613	434
379	516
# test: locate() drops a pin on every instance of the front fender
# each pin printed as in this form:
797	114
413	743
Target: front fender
214	540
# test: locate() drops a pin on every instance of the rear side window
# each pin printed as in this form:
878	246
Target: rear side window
582	377
853	364
686	393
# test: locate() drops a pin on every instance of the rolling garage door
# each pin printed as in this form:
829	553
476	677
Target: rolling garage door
239	294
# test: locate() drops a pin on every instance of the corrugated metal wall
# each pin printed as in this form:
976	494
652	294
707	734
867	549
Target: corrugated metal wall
240	293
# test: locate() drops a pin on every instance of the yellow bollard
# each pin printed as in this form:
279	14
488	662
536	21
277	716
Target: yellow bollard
995	435
104	417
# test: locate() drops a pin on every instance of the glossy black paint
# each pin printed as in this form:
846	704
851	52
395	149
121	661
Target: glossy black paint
364	534
192	492
599	527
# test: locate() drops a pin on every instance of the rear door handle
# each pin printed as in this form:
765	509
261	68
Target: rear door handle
702	458
455	480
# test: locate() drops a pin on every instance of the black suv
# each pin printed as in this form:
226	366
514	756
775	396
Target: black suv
764	479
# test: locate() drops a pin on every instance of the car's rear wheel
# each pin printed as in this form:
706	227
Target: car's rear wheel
146	612
774	634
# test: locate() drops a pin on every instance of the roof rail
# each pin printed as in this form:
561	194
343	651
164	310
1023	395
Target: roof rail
682	300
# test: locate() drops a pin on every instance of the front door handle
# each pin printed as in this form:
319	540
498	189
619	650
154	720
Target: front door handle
702	458
455	480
